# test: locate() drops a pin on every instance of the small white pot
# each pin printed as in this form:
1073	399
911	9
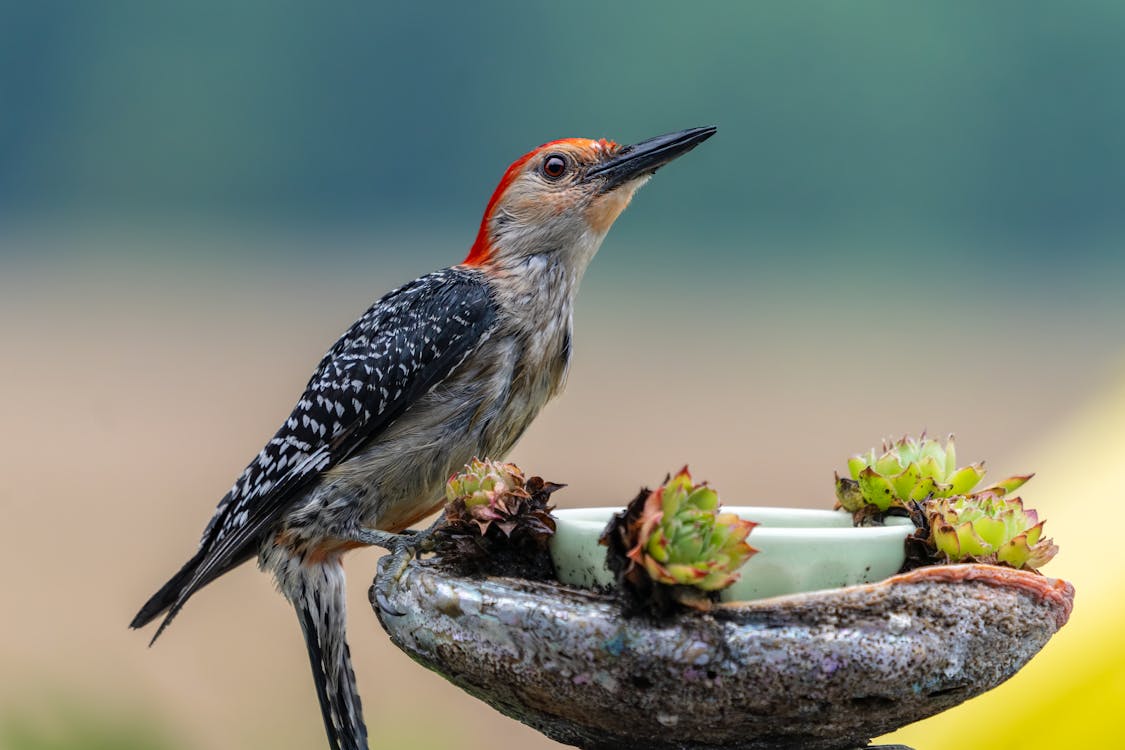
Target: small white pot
798	550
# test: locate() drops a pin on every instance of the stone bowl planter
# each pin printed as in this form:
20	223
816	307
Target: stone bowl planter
798	550
826	670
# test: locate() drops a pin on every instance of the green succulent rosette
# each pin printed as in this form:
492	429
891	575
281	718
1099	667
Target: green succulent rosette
909	470
989	527
684	540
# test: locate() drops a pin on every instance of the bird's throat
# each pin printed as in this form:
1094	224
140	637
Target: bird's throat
604	210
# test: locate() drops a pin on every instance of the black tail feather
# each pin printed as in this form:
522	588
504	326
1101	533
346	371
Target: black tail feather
174	594
322	622
168	593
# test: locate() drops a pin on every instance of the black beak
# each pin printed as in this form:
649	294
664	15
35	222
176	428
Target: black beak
646	157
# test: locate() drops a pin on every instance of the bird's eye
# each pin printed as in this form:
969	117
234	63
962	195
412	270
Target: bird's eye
554	166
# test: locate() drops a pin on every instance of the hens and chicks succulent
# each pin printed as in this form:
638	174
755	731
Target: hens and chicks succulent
498	520
921	479
673	545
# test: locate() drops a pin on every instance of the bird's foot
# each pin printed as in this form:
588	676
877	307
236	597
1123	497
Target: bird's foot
403	548
401	552
406	545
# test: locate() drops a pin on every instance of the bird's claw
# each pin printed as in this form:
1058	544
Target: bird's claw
403	548
400	560
409	547
385	604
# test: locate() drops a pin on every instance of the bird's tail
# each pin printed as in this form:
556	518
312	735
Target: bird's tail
317	593
174	594
163	599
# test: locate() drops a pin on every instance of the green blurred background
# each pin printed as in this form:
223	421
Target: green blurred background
911	218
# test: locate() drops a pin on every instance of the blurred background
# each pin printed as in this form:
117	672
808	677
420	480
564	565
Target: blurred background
911	217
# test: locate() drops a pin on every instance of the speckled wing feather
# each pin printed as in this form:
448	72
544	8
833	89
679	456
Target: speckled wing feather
404	345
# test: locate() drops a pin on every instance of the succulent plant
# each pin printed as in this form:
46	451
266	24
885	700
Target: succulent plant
498	521
675	537
907	471
988	527
685	540
488	492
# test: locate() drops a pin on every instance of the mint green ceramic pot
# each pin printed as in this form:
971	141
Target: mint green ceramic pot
798	550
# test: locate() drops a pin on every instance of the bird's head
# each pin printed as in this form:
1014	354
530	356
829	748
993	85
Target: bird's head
561	199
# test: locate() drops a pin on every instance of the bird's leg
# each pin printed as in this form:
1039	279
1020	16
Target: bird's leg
409	541
401	552
403	548
378	538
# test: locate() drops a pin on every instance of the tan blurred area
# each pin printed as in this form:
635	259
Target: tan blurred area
135	393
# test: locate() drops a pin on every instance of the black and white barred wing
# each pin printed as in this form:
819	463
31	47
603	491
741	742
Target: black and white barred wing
403	346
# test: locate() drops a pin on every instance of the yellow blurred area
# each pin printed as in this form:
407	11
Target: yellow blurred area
1072	694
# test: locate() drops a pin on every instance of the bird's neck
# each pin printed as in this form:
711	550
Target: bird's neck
540	288
542	270
537	300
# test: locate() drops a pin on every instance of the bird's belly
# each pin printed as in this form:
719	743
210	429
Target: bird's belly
399	477
405	472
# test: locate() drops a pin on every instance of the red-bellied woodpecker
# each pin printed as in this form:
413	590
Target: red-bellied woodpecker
453	365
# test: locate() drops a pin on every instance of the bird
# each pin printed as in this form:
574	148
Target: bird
453	365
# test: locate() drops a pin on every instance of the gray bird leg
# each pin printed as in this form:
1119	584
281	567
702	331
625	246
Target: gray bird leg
409	540
403	548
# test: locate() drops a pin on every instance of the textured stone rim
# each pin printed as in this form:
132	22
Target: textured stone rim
828	669
1055	592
